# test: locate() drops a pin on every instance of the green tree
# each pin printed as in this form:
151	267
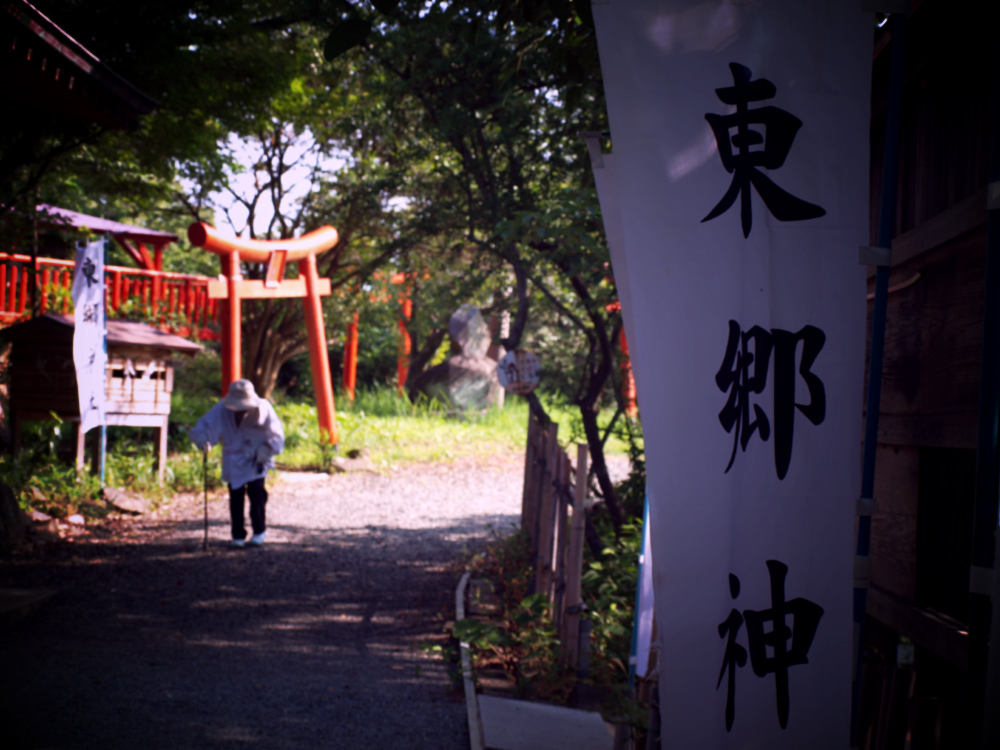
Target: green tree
501	92
212	67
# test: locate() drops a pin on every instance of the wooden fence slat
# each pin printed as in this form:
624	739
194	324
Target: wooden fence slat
552	522
537	471
559	556
529	473
45	290
541	470
12	300
543	560
23	302
570	634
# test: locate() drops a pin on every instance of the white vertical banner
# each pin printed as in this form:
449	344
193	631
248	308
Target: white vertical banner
740	138
89	355
606	181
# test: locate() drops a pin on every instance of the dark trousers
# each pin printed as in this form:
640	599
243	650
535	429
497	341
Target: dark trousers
258	499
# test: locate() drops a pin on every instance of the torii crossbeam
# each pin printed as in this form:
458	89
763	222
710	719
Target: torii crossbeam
232	287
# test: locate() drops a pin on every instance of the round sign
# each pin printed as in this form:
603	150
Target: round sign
519	371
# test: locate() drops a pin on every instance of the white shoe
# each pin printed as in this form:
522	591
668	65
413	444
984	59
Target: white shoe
235	542
257	540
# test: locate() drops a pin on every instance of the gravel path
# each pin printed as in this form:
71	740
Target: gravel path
313	641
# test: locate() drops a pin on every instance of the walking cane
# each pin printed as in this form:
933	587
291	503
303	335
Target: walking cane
205	475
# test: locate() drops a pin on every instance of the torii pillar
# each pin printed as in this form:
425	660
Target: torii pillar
233	288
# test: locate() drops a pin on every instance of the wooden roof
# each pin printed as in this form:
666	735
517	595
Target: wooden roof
121	333
62	218
43	67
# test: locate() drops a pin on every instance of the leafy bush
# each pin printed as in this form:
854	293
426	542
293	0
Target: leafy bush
43	480
523	641
608	587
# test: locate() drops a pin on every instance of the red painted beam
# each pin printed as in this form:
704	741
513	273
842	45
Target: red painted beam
259	251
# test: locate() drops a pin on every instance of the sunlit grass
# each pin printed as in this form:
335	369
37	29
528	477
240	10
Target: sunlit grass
392	431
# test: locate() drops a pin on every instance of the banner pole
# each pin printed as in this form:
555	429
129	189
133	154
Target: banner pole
104	341
886	229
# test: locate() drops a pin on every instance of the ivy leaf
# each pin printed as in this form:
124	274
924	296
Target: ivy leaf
584	13
346	36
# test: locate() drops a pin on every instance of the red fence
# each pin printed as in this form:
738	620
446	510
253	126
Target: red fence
174	302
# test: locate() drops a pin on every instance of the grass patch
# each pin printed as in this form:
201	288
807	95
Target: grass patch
392	431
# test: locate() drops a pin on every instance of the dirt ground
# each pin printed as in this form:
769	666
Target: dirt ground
322	638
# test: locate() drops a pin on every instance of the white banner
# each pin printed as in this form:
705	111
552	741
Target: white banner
740	139
89	354
606	181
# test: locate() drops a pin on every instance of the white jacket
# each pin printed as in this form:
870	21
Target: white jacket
253	444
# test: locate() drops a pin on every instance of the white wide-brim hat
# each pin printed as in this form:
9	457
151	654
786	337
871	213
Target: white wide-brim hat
241	396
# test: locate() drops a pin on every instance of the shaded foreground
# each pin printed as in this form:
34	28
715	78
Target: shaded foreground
317	640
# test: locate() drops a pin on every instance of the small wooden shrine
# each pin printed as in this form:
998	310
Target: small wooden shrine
139	382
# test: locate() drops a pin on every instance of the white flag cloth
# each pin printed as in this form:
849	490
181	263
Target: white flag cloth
89	355
606	181
740	139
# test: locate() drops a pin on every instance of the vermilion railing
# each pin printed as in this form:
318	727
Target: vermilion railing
174	302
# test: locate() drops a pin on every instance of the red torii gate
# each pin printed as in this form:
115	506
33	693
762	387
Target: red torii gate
232	287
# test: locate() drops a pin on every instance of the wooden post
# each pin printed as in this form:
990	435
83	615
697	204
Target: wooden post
538	454
232	347
350	378
529	461
81	447
45	291
317	350
542	469
405	345
12	302
24	292
156	296
570	635
546	516
161	443
559	545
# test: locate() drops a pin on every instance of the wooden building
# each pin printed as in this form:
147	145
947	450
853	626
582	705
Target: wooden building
139	381
917	633
44	69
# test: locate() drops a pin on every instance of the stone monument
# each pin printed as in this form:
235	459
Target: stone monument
467	379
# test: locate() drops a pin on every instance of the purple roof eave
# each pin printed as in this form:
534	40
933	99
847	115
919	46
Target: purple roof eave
63	217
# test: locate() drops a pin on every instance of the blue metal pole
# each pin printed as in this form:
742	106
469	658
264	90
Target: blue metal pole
634	652
886	229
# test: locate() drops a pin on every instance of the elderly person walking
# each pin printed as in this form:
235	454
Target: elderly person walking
251	436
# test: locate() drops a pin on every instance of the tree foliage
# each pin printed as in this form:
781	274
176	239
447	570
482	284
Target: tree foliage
500	94
443	139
